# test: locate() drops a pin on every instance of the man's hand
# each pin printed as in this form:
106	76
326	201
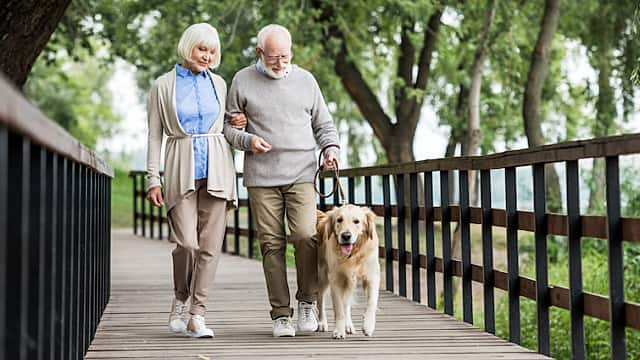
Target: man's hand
155	196
259	145
330	160
238	120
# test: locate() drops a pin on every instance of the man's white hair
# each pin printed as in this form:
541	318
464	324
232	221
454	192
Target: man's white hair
200	34
271	29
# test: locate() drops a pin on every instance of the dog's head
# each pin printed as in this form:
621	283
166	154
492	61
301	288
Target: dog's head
350	225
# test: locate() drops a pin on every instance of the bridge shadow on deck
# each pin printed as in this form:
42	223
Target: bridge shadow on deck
134	323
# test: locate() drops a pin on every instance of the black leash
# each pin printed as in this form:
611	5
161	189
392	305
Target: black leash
337	186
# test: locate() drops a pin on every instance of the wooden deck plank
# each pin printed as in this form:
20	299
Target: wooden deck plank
134	323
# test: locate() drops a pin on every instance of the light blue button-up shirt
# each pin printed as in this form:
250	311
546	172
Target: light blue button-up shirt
198	107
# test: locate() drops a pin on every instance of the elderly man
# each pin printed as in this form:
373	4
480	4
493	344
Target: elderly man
286	118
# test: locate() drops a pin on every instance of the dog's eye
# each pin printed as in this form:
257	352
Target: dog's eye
339	220
356	221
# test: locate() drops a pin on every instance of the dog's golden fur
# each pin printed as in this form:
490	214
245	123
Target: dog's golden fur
342	270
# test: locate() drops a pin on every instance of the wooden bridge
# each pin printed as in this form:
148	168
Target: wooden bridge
134	324
69	288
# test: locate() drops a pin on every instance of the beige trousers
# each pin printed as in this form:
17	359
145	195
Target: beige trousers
198	223
270	205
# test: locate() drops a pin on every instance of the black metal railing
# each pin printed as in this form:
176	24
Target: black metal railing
55	213
612	228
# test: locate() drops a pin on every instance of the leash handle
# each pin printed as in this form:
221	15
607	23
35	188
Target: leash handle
337	186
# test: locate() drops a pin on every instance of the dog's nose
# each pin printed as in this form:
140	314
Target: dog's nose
346	236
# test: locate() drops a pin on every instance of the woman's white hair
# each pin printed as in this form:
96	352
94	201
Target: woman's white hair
270	29
200	34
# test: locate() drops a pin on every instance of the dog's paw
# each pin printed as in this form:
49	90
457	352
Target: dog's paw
323	326
350	329
368	327
339	334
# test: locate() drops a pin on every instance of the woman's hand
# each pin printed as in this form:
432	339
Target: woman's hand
238	120
155	196
259	145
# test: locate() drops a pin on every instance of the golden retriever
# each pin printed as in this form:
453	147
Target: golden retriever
347	256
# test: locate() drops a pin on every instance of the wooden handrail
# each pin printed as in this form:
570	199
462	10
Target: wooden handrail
566	151
21	117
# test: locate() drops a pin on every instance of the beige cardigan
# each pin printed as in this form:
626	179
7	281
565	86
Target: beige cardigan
179	171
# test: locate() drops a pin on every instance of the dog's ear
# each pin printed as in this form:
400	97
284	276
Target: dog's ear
324	225
371	224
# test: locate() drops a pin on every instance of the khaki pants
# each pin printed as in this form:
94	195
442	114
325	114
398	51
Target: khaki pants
269	206
197	224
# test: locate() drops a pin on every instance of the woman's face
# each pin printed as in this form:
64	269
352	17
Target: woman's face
201	57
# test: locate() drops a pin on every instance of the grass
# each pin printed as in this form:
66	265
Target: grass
121	201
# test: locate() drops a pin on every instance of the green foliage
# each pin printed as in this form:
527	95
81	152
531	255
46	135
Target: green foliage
72	91
595	280
121	201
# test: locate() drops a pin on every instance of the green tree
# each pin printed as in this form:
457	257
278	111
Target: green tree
25	30
74	94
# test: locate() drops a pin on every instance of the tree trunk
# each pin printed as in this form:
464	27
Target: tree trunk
533	94
396	137
25	30
471	144
606	114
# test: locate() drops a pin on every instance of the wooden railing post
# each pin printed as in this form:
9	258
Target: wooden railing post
512	255
447	265
616	256
487	252
542	283
575	261
465	239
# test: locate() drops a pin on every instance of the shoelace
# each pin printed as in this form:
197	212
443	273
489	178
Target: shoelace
179	309
306	312
283	321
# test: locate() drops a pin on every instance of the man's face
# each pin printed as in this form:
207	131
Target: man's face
276	55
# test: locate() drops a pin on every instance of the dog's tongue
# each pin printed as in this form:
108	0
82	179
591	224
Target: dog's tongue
346	249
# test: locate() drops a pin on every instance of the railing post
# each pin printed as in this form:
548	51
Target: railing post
351	195
447	267
402	254
63	231
367	191
616	257
574	229
465	237
430	239
17	265
487	252
4	234
542	286
50	254
236	227
37	244
143	216
415	237
388	246
512	255
134	181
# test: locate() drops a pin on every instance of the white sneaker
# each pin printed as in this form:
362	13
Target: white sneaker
197	328
307	318
282	327
177	324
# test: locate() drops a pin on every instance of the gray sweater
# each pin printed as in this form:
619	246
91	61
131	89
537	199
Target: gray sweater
290	114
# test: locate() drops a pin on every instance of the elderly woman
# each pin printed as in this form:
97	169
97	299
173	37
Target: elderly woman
187	104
